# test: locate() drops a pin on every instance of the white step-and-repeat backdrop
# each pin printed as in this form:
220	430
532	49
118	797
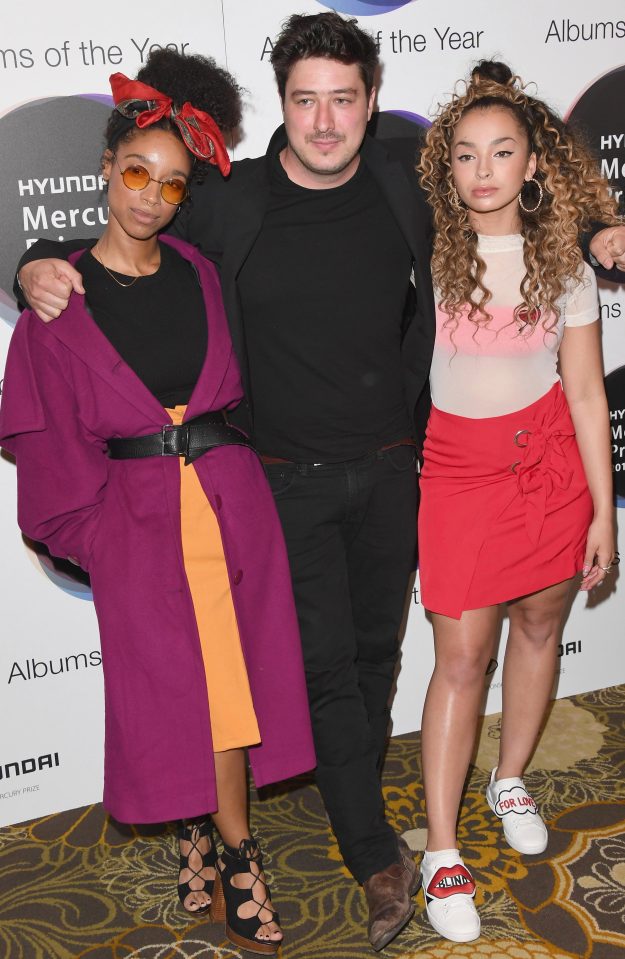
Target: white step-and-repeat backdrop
53	107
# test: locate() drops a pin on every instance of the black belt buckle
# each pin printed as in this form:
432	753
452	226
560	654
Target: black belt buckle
175	439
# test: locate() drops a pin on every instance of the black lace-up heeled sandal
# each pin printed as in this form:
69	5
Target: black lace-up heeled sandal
193	831
232	903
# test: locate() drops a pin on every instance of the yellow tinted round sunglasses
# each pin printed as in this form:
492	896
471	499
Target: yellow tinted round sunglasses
136	177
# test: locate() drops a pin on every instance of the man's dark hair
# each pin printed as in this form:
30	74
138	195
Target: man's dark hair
323	35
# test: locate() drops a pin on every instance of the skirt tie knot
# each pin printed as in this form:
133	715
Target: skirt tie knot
542	468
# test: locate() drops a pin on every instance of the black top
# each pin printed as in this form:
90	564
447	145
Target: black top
322	294
157	324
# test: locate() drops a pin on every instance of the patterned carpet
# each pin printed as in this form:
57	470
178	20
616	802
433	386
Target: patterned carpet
76	885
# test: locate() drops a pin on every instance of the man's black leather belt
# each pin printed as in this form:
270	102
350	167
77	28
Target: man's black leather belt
191	439
277	460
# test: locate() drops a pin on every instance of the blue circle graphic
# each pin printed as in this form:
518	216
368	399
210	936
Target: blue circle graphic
368	8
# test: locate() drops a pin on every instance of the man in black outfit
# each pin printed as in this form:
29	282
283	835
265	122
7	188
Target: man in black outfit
317	243
324	252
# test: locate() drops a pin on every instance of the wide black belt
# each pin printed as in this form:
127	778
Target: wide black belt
191	439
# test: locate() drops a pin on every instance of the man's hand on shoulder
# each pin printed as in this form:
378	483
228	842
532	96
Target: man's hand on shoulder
608	247
47	286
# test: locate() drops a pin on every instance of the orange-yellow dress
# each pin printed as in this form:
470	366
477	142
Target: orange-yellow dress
233	720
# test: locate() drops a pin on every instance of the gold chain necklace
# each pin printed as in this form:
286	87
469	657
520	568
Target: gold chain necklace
112	276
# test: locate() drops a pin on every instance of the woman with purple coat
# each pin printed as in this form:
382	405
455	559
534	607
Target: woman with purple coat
116	414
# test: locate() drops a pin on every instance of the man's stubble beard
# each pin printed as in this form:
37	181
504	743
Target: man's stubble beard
324	171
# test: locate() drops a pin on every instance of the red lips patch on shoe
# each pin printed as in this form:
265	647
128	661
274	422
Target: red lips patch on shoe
451	880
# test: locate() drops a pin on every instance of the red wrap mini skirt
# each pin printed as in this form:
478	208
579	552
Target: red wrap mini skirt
505	506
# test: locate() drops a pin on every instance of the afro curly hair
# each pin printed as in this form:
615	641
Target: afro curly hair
194	79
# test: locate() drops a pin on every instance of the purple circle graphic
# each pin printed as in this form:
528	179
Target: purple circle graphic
368	8
61	573
412	117
401	132
74	582
398	126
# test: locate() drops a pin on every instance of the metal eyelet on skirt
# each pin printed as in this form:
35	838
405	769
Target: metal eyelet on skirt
520	433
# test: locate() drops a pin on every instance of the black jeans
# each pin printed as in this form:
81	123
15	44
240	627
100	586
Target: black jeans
350	531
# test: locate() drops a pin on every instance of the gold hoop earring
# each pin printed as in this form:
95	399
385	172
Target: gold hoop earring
532	209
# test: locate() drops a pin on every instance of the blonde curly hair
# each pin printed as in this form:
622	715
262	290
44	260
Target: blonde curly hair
574	194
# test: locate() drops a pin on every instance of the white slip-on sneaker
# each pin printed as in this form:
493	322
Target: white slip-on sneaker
522	825
449	892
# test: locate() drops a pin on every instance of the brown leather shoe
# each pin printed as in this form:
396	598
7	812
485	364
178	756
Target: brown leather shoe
389	897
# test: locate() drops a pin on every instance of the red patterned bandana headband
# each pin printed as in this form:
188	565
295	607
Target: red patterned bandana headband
139	102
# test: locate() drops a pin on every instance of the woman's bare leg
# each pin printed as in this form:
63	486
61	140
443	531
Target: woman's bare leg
528	672
463	648
231	819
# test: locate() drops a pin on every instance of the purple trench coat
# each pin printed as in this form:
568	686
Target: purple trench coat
66	392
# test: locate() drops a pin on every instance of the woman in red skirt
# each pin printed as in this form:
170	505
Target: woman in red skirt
516	489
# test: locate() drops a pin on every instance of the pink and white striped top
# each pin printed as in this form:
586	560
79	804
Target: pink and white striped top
498	368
